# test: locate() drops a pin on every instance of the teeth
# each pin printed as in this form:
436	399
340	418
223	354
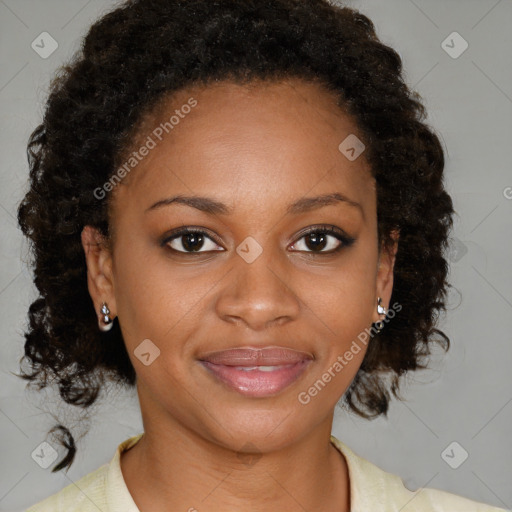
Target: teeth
261	368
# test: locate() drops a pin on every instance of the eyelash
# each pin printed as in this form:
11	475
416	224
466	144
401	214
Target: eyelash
346	241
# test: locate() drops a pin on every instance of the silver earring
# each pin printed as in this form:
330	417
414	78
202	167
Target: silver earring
379	325
106	322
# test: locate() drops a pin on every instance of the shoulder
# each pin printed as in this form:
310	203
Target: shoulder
84	495
372	488
103	489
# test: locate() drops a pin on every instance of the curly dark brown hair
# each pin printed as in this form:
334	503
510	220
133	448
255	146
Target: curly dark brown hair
135	56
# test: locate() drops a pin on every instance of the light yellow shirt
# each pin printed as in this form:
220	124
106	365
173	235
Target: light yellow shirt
371	490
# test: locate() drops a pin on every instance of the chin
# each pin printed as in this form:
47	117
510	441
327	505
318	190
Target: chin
264	429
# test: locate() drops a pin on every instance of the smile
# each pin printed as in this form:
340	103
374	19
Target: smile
257	381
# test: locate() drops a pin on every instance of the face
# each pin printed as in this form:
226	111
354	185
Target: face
266	266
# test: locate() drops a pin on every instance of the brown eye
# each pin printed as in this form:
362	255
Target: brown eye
323	240
191	241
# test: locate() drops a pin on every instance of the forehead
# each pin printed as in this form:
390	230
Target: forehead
246	141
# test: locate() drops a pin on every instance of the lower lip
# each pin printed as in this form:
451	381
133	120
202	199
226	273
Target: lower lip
257	383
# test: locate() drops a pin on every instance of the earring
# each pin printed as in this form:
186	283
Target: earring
106	322
379	325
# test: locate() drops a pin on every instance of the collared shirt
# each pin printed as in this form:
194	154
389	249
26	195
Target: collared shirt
371	489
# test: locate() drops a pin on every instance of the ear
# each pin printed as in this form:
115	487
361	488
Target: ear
386	264
100	280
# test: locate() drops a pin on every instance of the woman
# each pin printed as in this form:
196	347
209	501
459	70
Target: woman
236	207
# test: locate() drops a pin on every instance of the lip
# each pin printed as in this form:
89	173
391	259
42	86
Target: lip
250	356
257	372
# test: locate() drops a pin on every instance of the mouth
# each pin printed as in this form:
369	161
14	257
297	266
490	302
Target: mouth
257	372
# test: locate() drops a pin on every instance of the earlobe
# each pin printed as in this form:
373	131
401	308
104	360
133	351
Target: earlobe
385	270
99	270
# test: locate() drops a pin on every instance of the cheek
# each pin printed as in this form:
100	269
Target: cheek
153	295
342	300
340	310
343	327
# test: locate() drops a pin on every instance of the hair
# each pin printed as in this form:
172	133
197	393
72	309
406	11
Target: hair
132	59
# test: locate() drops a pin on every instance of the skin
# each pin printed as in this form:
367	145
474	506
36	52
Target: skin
257	149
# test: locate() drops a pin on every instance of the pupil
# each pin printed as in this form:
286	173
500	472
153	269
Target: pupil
191	239
315	241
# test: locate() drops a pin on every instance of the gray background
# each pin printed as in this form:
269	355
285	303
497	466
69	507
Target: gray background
465	397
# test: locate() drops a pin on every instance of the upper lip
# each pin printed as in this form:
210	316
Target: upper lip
248	356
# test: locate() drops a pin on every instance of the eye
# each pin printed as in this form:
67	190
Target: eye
317	240
323	240
191	240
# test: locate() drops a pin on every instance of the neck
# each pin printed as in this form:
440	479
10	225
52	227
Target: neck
177	469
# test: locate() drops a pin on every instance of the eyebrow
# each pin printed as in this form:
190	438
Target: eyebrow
213	207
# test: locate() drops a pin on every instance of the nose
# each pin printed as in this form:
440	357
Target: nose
258	294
